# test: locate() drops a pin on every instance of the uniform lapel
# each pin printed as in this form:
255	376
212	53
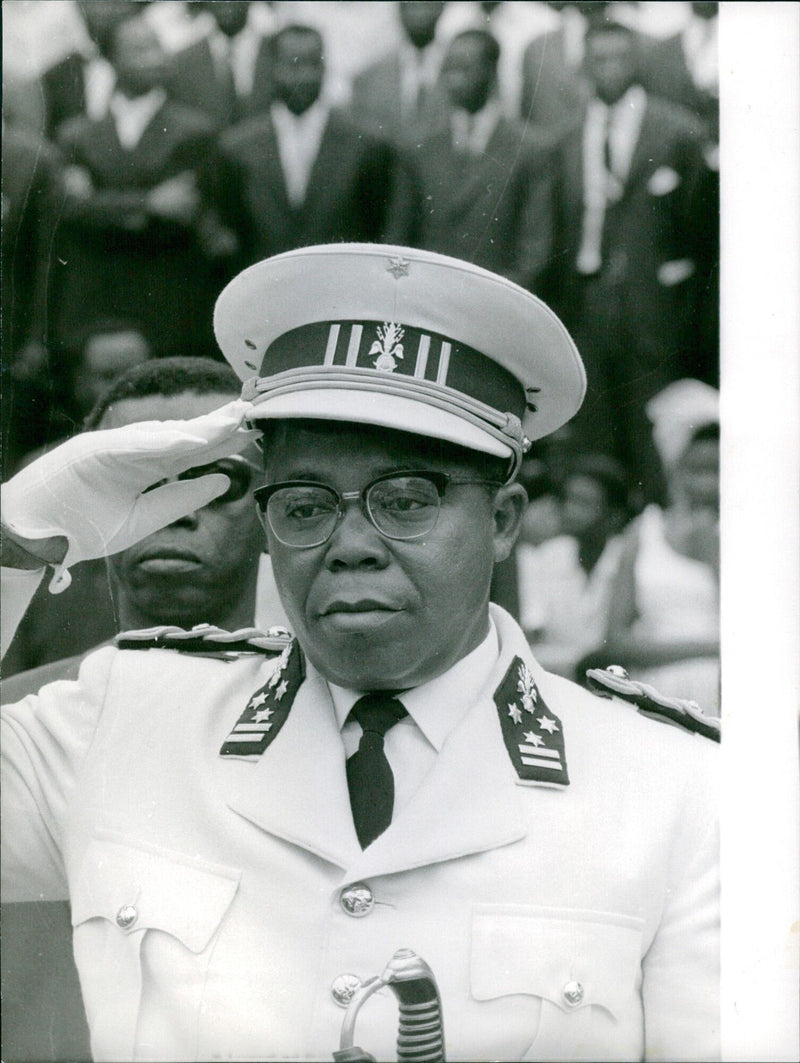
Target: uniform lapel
298	788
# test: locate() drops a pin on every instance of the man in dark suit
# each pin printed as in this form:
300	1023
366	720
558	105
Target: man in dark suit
301	173
81	83
399	98
127	245
484	188
684	68
226	73
627	194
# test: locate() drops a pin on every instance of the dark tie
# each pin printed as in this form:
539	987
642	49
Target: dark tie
369	776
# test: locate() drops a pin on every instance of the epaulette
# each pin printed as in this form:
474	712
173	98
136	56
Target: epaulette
205	640
533	735
268	709
678	711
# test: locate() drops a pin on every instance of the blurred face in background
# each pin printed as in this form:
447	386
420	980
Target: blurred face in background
203	567
230	15
611	63
694	481
419	20
137	57
106	356
468	74
298	70
584	508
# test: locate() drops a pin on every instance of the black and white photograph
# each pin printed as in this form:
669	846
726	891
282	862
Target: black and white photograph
400	536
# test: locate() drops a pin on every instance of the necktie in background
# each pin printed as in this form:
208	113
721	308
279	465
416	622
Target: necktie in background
369	776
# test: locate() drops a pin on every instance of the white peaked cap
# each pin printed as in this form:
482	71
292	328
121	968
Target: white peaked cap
403	339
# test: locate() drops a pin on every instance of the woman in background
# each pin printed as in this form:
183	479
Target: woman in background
663	623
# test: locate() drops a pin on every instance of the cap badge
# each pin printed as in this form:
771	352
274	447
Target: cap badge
535	742
388	347
398	267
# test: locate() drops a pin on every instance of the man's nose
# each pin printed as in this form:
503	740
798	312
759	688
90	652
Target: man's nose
355	542
189	520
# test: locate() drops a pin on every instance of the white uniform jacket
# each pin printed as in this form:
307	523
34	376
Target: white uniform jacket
571	922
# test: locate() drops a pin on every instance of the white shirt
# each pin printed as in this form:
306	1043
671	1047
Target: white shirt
133	116
563	608
472	132
239	53
99	79
419	70
623	120
434	710
701	50
299	138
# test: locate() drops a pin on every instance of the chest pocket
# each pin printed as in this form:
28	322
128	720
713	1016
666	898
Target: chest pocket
582	969
121	894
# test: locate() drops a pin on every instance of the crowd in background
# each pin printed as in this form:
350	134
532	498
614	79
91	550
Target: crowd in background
153	150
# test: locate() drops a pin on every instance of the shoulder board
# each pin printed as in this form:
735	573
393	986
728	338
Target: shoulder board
205	640
607	682
268	709
532	733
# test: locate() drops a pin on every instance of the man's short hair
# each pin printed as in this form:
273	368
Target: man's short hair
274	42
491	46
166	376
603	26
609	474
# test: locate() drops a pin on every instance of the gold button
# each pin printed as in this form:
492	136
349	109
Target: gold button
357	900
572	994
343	988
127	916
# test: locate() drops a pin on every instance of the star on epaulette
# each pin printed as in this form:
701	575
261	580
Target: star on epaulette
614	680
206	640
535	742
268	708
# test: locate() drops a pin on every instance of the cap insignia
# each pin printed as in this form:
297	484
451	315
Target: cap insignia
398	267
533	735
268	709
607	682
388	347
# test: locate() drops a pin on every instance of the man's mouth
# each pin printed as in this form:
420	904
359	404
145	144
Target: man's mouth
358	614
168	561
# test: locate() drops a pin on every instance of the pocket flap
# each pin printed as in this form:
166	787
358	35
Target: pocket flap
544	952
138	888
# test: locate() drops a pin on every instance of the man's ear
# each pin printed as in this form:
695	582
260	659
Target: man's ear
508	511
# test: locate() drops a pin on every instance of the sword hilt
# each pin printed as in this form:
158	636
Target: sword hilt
420	1036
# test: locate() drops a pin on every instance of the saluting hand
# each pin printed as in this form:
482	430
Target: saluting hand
89	497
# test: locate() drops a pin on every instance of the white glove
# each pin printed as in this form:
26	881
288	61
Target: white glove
92	489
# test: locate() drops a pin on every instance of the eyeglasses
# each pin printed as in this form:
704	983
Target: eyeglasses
400	505
239	471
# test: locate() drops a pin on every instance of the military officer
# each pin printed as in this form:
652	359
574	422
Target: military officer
247	827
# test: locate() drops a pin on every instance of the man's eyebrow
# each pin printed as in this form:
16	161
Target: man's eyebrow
309	473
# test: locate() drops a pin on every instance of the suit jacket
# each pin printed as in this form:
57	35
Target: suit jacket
653	223
666	75
494	209
554	96
351	194
121	258
209	893
376	104
64	92
191	80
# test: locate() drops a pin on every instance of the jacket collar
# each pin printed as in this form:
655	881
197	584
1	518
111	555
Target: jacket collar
469	802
